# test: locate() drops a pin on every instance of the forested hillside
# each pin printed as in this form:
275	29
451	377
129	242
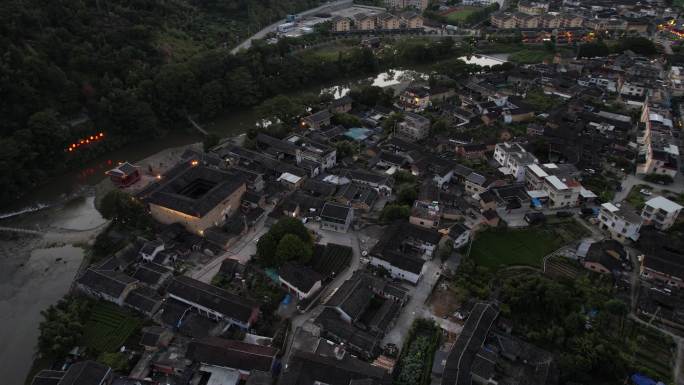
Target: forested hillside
134	67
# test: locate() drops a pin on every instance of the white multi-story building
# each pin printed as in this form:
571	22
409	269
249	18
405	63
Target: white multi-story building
660	212
608	83
414	126
513	159
658	152
676	80
621	221
633	89
561	193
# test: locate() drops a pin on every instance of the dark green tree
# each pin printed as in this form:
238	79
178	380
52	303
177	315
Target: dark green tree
372	95
292	248
596	49
241	89
213	99
407	194
393	212
346	120
176	90
389	124
283	108
289	225
123	209
62	326
266	250
345	148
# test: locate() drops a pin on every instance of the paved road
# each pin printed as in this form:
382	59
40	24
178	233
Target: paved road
417	308
632	180
242	251
516	217
349	239
274	27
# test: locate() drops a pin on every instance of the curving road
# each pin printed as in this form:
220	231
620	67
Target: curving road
330	6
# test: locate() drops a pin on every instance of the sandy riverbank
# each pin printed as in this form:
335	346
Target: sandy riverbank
37	268
41	257
37	271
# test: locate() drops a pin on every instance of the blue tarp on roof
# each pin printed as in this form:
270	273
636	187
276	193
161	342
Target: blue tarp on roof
640	379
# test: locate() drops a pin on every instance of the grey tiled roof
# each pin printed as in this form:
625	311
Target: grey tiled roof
112	283
170	193
232	354
86	373
144	300
310	368
212	297
301	277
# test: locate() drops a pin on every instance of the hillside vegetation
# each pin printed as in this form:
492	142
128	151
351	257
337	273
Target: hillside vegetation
134	67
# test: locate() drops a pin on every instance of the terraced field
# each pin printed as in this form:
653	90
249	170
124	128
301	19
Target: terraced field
109	327
655	352
562	267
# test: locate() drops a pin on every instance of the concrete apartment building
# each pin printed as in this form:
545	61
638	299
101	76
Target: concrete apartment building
364	22
621	221
414	127
388	21
513	159
341	24
660	212
561	193
412	20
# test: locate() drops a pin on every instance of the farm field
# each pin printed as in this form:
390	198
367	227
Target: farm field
527	247
530	56
459	16
654	351
108	327
415	362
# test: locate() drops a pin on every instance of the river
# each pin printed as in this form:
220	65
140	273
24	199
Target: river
35	271
40	282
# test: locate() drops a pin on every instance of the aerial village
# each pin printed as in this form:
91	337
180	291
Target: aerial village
383	243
